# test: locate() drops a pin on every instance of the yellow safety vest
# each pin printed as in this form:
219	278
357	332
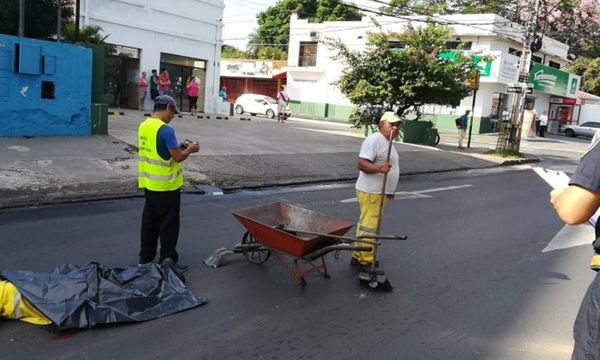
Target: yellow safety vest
155	173
12	306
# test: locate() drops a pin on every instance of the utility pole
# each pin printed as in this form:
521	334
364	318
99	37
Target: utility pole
524	66
77	14
59	21
21	18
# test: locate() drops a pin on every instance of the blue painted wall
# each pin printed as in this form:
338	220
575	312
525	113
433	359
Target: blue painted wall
31	69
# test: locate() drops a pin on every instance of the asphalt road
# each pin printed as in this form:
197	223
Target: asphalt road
471	282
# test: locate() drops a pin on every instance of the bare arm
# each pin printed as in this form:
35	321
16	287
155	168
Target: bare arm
368	167
575	204
180	155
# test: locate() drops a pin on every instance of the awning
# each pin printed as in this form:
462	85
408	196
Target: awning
281	76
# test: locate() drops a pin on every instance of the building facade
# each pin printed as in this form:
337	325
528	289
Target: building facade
311	69
149	34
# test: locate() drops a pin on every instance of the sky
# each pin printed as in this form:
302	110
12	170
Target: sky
240	20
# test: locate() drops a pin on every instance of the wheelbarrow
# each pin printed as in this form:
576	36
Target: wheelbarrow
282	229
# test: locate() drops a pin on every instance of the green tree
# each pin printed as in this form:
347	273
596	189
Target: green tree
274	23
271	53
589	70
231	52
87	34
40	17
381	77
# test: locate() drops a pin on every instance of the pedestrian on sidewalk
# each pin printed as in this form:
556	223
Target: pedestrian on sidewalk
161	177
154	84
142	90
372	165
575	205
192	92
223	94
282	101
164	82
543	124
462	128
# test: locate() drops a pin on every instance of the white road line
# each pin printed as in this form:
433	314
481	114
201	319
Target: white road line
571	236
402	195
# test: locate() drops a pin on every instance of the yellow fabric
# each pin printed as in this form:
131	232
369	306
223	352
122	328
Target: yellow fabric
155	173
12	306
367	225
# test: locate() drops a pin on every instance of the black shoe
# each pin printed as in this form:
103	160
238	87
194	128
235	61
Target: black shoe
369	269
168	262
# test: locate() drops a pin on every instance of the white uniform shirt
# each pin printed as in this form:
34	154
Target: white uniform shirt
374	148
543	119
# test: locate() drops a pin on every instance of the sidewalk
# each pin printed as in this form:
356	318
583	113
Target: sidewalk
234	154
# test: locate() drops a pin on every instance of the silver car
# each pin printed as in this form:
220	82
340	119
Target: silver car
587	129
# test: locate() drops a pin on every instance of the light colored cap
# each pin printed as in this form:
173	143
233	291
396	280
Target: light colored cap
391	117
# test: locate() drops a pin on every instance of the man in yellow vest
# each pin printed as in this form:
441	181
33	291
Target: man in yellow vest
161	177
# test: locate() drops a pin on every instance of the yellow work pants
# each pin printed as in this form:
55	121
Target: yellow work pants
367	225
12	306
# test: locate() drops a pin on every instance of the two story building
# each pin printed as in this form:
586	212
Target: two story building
311	69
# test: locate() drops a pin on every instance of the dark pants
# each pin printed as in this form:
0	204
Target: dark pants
543	130
153	94
160	219
586	331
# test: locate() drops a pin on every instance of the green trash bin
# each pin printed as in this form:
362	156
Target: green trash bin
413	131
429	136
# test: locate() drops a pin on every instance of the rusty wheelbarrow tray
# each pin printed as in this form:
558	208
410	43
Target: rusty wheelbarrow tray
277	229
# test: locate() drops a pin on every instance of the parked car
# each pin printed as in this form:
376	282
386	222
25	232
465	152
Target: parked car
586	129
258	104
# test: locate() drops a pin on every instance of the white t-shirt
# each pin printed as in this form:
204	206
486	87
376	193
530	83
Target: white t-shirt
374	148
282	98
543	119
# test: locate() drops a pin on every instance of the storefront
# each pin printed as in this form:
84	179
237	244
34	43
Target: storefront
250	77
564	87
181	69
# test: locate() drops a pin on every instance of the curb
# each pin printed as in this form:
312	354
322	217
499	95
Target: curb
205	117
116	113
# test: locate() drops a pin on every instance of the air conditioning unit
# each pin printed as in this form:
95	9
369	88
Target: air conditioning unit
314	34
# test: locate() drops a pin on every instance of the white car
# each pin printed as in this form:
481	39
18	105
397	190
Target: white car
258	104
586	129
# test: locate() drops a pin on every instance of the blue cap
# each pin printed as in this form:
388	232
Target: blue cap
167	100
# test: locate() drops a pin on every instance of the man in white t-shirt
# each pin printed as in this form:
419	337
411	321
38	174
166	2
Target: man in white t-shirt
543	124
372	165
282	100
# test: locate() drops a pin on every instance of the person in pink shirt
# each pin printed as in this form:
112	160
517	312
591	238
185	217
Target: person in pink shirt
164	82
192	91
142	90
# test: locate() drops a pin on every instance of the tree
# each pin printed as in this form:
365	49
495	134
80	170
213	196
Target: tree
274	23
230	52
271	53
589	69
401	80
87	34
40	17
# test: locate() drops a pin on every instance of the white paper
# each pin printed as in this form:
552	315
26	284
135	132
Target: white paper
558	179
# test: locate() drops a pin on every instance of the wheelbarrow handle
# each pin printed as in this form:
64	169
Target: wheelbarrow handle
383	237
341	238
326	250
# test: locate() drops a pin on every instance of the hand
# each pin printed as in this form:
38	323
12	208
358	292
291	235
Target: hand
555	194
390	196
193	147
385	168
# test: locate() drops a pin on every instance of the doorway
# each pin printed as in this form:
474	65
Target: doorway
180	69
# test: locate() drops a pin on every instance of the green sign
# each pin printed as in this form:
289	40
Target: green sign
549	80
484	67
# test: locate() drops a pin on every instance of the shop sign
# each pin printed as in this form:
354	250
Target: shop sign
552	81
484	67
247	68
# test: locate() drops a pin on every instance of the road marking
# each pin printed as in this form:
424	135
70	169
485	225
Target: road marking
571	236
402	195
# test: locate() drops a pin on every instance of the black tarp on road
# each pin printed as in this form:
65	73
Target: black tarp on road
84	296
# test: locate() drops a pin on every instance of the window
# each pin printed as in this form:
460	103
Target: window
397	45
536	59
48	90
514	52
452	45
308	54
553	64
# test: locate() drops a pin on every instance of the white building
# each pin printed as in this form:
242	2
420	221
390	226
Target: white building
311	71
182	36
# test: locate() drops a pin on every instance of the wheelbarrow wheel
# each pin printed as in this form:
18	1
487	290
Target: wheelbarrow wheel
256	255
